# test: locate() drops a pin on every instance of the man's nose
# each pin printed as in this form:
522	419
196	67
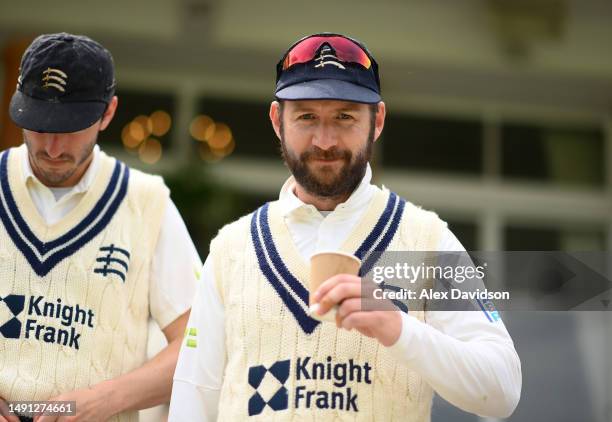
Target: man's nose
54	145
324	137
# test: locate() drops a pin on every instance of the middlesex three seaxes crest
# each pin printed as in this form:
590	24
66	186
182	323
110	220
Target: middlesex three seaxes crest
112	260
328	56
54	78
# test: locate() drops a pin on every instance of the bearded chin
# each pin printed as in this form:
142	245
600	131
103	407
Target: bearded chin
340	185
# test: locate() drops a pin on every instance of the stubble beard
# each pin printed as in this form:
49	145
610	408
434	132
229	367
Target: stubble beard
51	177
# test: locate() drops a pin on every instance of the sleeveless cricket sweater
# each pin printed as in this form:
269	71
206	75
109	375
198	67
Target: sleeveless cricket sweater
74	296
283	365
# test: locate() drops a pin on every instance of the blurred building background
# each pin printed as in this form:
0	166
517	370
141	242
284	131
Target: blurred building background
499	118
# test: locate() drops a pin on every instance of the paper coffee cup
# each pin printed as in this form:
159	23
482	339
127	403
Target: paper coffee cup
324	265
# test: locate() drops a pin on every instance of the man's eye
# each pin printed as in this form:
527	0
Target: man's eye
307	116
344	116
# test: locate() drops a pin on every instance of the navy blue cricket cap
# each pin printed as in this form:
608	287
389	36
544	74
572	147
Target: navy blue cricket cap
65	84
328	66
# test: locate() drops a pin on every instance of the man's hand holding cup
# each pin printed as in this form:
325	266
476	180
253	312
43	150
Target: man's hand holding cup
336	295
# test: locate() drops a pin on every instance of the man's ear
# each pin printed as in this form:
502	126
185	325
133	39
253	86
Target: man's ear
379	122
109	113
275	117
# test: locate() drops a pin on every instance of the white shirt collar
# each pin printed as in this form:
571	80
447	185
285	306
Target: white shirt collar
289	202
83	185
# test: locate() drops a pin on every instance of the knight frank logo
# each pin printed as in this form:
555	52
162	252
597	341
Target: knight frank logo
10	308
113	261
54	78
335	385
46	321
269	385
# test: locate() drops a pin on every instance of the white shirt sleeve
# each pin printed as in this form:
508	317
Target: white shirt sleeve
175	269
467	359
201	363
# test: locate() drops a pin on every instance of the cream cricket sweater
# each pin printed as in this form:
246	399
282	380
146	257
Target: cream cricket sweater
284	366
74	295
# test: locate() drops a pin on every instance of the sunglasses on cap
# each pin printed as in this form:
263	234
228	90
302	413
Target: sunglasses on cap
346	50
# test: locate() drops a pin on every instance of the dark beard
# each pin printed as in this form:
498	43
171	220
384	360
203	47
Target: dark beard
331	187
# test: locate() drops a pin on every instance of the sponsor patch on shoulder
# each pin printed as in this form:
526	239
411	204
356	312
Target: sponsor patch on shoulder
489	310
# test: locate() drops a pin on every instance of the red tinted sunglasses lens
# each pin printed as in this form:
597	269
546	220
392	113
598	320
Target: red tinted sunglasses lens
303	52
346	50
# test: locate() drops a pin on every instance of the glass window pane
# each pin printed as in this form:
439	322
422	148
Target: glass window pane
434	144
531	239
248	122
521	238
566	156
140	116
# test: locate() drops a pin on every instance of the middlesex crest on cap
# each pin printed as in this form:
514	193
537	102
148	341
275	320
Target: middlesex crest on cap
65	84
326	57
326	66
54	78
